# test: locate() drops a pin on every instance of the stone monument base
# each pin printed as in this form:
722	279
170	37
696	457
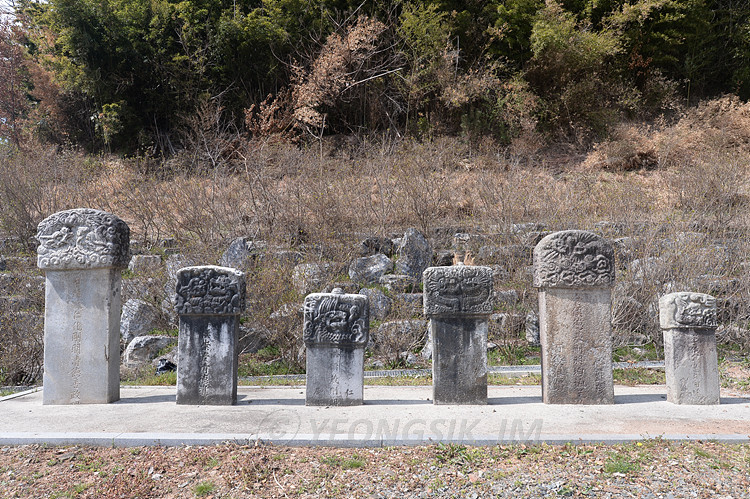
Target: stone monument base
576	337
459	364
335	376
82	336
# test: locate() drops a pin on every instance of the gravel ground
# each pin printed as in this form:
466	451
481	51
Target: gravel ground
652	468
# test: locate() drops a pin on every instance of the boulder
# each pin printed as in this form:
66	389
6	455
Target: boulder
144	349
138	319
532	329
413	255
374	245
398	283
309	277
369	269
240	251
380	304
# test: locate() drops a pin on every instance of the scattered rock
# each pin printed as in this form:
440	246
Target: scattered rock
532	329
137	319
444	258
309	277
380	304
398	283
414	254
144	349
373	245
369	269
240	251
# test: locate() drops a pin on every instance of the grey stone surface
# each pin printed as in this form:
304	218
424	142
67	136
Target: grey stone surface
369	269
335	376
82	252
397	283
140	264
688	322
576	339
144	349
573	258
209	301
82	239
532	329
240	251
575	271
458	302
138	318
380	303
309	277
374	244
336	331
413	255
82	336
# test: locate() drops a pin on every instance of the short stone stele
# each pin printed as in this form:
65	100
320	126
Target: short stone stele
336	331
209	301
82	253
688	322
458	302
574	271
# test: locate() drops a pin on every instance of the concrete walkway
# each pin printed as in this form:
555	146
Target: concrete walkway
390	416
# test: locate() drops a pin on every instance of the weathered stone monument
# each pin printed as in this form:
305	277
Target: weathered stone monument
336	331
209	302
82	253
688	322
574	270
458	302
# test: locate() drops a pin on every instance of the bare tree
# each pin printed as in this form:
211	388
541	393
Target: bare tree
12	99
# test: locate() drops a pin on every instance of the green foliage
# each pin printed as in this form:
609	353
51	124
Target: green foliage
132	73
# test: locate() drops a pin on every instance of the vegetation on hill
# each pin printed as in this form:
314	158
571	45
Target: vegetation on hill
129	76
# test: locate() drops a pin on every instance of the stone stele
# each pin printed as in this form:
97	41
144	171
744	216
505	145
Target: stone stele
208	301
574	270
336	331
458	302
688	322
82	253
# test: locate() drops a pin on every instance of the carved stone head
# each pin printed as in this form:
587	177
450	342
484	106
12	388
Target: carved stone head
336	319
573	259
460	290
82	239
210	290
687	310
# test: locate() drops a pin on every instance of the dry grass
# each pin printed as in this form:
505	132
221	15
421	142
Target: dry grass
682	213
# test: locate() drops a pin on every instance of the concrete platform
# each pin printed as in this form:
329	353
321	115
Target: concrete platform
390	416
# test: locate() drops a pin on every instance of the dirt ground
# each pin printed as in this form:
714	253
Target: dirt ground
652	468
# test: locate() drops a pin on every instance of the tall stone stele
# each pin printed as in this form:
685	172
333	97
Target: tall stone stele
458	302
688	322
336	331
208	301
82	253
574	271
